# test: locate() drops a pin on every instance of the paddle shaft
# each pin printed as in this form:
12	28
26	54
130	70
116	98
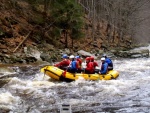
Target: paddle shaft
45	72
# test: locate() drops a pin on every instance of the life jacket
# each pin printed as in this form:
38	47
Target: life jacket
90	67
79	63
107	60
95	64
104	68
73	65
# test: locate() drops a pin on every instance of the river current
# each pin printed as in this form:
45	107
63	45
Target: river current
30	91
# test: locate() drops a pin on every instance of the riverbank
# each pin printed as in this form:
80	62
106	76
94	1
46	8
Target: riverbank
50	54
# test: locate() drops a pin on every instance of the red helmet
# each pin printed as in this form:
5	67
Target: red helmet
88	58
92	58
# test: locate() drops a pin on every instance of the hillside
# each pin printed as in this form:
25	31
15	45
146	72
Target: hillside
22	25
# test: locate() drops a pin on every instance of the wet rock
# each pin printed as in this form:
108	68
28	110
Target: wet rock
4	51
4	109
4	81
30	59
45	57
64	51
32	52
134	53
8	76
67	51
85	54
50	47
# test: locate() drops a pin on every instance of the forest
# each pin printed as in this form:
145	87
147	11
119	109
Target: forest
74	24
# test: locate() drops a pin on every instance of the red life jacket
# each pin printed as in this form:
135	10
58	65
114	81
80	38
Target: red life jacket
95	64
79	62
90	67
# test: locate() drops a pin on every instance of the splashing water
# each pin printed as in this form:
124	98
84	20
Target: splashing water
32	92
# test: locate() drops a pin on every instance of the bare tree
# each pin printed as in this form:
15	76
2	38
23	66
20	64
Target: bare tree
122	16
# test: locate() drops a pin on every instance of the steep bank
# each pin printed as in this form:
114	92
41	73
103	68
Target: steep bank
23	25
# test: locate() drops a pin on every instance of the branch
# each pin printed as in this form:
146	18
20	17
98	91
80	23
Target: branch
22	41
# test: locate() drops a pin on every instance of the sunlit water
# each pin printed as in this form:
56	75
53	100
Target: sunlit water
30	91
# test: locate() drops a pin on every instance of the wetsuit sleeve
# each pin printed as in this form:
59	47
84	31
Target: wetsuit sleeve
59	64
62	63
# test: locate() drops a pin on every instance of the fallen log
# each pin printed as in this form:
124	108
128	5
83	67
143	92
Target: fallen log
22	41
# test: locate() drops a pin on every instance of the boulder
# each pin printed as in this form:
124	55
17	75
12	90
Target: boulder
4	81
85	54
134	53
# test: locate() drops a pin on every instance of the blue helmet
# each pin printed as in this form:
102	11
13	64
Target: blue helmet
65	56
77	57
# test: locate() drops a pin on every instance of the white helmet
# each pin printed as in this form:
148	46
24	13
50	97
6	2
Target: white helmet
71	56
103	58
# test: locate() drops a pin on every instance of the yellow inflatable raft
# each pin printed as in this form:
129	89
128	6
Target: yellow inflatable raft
61	75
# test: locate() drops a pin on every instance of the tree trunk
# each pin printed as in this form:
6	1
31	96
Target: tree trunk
72	44
66	39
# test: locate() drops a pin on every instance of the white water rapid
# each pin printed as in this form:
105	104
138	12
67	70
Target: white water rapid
29	91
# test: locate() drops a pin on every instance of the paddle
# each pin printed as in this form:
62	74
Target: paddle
45	71
44	75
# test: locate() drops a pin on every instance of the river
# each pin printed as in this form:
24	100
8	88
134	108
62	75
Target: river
30	91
